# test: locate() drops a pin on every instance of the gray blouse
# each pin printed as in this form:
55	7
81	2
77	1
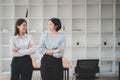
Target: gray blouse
47	43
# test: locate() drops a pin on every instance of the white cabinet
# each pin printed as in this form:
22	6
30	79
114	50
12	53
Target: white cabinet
91	28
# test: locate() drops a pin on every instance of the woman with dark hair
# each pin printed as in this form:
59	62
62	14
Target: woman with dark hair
22	46
52	46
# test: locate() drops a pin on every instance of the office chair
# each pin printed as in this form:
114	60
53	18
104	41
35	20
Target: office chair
86	69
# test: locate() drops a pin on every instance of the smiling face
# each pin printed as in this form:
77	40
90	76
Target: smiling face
51	26
22	28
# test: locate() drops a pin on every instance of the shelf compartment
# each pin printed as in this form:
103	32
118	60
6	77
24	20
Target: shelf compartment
68	38
78	24
117	52
7	25
92	25
5	38
5	65
45	24
35	11
92	39
107	25
117	1
78	1
106	1
78	11
117	42
78	53
116	67
49	1
6	1
107	53
68	53
78	38
92	11
117	25
107	38
106	67
19	13
6	52
64	1
66	24
35	1
92	52
5	9
64	11
92	1
51	9
105	9
21	2
35	25
118	11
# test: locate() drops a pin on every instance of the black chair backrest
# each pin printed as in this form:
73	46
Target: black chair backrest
87	67
87	63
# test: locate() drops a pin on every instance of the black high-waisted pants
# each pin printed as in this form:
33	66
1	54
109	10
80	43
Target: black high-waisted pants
51	68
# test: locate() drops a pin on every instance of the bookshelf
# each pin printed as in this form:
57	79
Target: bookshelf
91	28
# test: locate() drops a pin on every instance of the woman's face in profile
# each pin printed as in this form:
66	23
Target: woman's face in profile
23	27
51	26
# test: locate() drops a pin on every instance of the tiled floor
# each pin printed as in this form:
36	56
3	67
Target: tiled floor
38	78
109	78
103	78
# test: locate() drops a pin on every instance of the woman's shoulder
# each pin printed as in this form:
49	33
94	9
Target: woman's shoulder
14	37
61	34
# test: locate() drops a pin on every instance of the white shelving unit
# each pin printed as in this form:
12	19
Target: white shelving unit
107	36
91	27
78	31
6	30
117	32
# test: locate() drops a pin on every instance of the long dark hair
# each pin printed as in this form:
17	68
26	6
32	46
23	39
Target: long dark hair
56	22
18	23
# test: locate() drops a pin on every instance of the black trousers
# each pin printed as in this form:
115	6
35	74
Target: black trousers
51	68
21	68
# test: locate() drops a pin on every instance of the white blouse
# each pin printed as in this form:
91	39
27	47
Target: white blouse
22	44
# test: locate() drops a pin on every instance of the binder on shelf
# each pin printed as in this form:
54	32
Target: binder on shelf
26	13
